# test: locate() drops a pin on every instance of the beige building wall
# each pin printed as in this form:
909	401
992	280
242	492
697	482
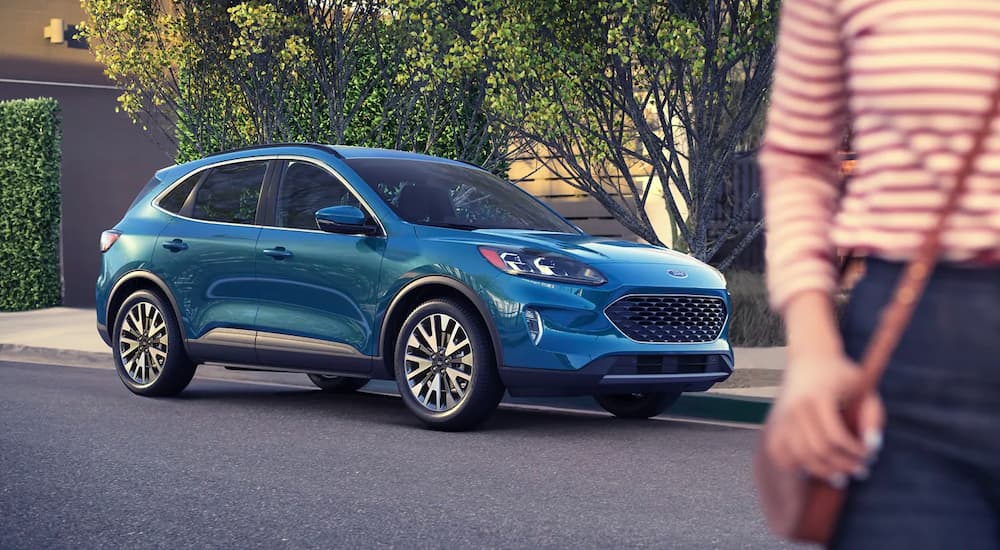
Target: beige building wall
24	24
548	183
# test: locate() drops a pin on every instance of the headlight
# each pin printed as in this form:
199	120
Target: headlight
540	265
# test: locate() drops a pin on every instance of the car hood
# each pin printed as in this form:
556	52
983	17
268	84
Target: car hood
622	262
593	250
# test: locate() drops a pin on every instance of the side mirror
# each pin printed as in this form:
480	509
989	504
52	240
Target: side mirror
346	220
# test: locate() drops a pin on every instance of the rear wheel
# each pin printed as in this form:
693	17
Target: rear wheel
445	366
337	384
637	405
148	349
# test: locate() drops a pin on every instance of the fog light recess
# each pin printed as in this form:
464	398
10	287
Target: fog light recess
534	322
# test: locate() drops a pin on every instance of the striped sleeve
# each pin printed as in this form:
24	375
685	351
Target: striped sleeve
805	124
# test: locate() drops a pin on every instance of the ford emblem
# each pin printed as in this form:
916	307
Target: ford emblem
677	274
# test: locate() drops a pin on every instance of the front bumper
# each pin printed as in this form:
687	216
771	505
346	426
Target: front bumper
622	374
581	352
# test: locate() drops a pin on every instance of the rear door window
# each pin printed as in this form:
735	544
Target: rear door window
230	193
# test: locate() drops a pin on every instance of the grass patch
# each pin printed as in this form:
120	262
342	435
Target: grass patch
752	323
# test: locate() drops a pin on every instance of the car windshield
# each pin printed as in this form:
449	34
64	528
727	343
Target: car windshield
448	195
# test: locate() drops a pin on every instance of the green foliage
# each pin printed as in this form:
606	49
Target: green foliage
224	74
669	89
29	204
752	323
623	96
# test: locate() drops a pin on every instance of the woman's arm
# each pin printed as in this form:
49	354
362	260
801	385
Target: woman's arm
806	122
801	190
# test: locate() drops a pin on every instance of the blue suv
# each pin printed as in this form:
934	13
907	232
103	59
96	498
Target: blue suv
349	264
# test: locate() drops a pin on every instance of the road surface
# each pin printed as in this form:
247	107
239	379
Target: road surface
235	464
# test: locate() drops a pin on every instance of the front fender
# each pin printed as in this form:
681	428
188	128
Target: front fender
467	287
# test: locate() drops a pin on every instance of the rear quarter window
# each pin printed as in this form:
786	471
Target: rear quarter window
174	201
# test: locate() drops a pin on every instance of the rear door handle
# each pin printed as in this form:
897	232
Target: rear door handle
278	253
175	245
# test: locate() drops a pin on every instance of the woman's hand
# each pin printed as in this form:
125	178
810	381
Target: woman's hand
808	431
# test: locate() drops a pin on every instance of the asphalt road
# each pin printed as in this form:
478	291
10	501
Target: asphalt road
230	464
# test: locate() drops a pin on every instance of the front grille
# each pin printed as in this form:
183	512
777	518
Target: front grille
671	319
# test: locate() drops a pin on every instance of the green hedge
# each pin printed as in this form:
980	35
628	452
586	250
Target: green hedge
752	324
29	204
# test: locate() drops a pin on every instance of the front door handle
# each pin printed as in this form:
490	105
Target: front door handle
278	253
175	245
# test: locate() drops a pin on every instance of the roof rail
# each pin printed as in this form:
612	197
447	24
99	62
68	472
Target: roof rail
469	163
327	148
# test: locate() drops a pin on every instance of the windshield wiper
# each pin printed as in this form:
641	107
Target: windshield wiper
449	225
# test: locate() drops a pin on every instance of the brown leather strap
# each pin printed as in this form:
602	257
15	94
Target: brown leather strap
897	314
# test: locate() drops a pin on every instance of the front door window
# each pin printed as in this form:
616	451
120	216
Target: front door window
305	189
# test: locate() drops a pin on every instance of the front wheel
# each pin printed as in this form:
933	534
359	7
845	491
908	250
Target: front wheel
337	384
445	366
637	405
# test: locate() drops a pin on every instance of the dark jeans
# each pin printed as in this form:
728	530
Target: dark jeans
936	483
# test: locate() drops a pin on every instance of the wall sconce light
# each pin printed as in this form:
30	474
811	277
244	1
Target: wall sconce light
57	32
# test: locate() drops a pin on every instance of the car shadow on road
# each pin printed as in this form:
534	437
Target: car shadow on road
373	408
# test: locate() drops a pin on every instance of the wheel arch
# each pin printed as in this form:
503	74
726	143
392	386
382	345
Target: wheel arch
140	280
419	291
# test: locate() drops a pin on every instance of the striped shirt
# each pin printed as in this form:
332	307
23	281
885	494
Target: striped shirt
914	78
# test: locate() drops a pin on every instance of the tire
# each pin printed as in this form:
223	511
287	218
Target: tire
337	384
637	405
447	392
148	348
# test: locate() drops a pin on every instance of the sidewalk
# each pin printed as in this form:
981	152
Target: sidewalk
69	336
62	331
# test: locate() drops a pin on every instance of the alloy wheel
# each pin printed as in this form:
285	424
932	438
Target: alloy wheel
142	343
438	362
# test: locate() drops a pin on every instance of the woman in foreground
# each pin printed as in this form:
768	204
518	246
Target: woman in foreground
914	79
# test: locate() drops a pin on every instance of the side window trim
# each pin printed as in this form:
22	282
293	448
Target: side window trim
272	179
202	172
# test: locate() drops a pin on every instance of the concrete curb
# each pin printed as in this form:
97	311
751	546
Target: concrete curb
728	408
33	354
708	406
